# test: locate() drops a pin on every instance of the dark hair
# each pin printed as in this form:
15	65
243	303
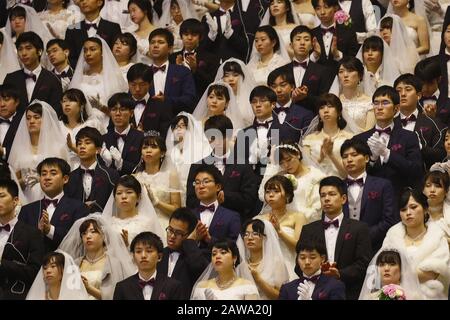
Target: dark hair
5	172
76	95
278	180
386	23
95	40
438	178
9	91
59	42
87	223
272	34
122	99
389	256
35	107
311	245
129	40
352	64
54	257
10	186
228	245
333	181
191	26
219	90
1	38
92	134
409	79
140	71
263	91
387	91
330	3
152	141
177	119
220	123
329	99
360	147
233	66
33	39
289	13
147	238
212	171
144	5
300	29
282	150
185	215
129	181
257	226
61	164
17	11
428	69
163	33
283	74
418	196
375	43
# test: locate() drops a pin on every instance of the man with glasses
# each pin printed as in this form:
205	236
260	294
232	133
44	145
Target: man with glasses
182	259
395	151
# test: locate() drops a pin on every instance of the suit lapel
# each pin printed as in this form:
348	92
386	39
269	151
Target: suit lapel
158	287
365	195
58	210
135	290
215	219
128	142
15	235
169	76
39	82
340	239
22	86
318	288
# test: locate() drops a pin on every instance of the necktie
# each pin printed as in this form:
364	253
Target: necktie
359	182
91	25
330	29
313	279
143	283
118	135
387	130
406	120
155	69
303	64
264	124
46	202
211	208
5	121
327	224
6	227
89	171
31	76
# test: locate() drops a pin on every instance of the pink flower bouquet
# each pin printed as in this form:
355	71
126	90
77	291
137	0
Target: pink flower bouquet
392	292
342	17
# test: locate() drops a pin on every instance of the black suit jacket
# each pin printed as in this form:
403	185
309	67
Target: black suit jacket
66	213
190	265
352	254
327	288
131	153
157	116
103	183
21	260
76	34
165	289
11	133
296	122
48	88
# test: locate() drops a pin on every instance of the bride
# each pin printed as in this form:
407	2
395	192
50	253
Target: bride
8	56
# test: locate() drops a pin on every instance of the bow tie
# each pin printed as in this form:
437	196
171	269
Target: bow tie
118	135
89	171
219	13
284	109
327	224
303	64
313	279
64	74
6	227
156	69
141	102
264	124
91	25
359	182
5	121
405	121
31	76
387	130
330	29
187	54
211	208
143	283
46	202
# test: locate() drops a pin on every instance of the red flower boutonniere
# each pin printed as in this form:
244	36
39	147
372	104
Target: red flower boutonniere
341	17
347	236
396	147
373	195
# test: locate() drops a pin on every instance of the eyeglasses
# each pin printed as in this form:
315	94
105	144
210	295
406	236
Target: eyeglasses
383	103
259	101
254	234
202	182
176	233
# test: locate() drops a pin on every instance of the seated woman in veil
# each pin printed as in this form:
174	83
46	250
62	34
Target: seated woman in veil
8	56
100	254
226	277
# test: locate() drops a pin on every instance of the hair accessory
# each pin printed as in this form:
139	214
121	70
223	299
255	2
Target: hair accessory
151	133
293	180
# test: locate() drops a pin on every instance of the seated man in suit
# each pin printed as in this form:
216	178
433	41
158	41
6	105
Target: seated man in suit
91	183
240	186
149	114
34	81
293	118
202	64
92	25
395	151
123	142
332	40
55	214
216	222
312	284
311	79
21	247
412	118
370	199
347	240
148	283
182	259
172	83
9	117
58	54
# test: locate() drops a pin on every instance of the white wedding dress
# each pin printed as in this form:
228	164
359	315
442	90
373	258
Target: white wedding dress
233	293
260	74
308	19
60	21
134	225
355	112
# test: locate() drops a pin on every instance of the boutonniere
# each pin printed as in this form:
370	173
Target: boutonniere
294	119
323	295
373	195
396	147
424	129
347	236
132	149
17	243
341	17
151	115
201	63
98	181
234	174
64	217
443	110
175	80
219	223
162	296
313	77
235	22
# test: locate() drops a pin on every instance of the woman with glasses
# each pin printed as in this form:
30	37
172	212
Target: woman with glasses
263	254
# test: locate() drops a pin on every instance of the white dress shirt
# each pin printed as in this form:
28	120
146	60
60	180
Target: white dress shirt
355	188
331	234
219	161
369	17
282	114
173	259
411	124
385	138
87	179
4	235
299	72
92	31
263	141
30	83
159	78
207	215
139	109
148	289
327	38
51	210
312	284
120	141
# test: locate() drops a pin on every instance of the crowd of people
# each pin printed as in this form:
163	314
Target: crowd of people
224	149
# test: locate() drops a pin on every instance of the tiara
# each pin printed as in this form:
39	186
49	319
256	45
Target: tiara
151	133
287	146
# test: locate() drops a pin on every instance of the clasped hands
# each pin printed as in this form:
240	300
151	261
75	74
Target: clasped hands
112	154
377	147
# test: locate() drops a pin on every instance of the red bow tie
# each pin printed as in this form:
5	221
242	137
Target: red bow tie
6	227
405	121
211	208
118	135
31	76
303	64
359	181
330	29
46	202
143	283
155	69
313	279
327	224
91	25
387	130
264	124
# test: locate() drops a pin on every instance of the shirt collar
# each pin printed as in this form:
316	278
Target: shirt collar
333	25
305	60
91	167
389	126
152	276
318	272
415	113
58	197
215	203
95	21
267	120
146	97
287	105
225	156
124	131
446	51
66	69
36	71
363	176
339	218
11	223
10	118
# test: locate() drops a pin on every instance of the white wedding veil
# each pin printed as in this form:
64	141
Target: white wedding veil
8	57
266	18
408	279
282	52
72	287
187	11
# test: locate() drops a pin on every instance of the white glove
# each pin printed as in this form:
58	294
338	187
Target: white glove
154	199
228	32
117	157
106	155
377	146
209	294
304	291
213	27
200	2
441	166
